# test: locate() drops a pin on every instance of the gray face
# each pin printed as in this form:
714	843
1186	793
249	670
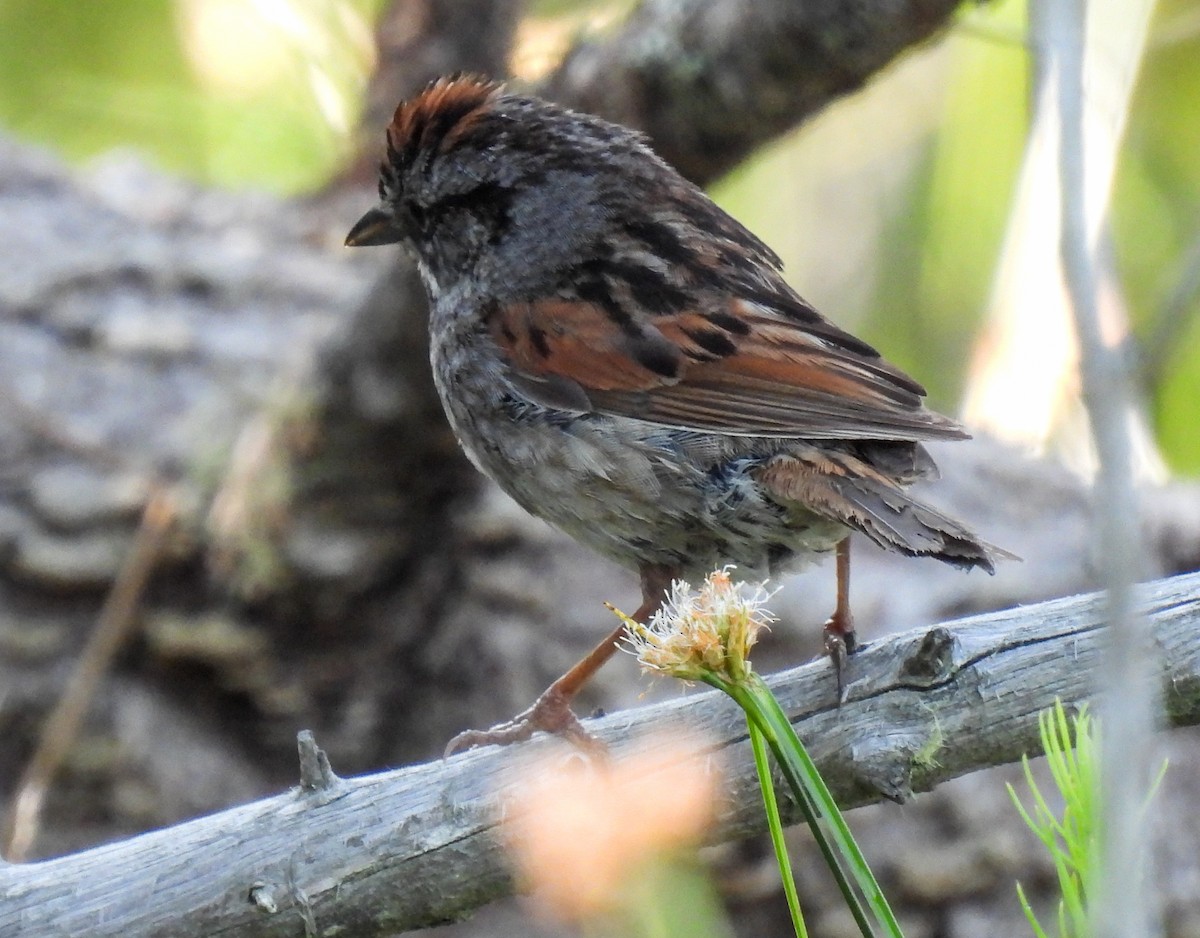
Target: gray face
513	213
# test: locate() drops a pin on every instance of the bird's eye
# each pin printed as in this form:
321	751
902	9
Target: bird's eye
419	216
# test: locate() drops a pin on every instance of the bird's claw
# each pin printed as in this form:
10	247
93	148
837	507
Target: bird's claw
550	713
840	644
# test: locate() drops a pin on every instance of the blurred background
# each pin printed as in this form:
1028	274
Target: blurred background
890	210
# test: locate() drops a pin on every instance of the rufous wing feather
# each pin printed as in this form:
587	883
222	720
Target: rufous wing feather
738	368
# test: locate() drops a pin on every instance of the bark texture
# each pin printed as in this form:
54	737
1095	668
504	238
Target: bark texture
710	81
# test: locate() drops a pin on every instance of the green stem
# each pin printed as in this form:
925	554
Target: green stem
815	802
801	771
775	825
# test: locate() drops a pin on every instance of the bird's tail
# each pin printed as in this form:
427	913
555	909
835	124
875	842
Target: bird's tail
844	488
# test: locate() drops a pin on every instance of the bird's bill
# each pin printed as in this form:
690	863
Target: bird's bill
375	227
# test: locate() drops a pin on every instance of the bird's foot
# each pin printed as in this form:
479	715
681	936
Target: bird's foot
840	644
550	713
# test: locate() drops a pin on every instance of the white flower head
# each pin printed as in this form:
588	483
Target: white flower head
706	631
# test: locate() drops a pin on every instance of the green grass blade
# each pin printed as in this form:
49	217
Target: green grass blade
802	775
775	824
1034	924
749	703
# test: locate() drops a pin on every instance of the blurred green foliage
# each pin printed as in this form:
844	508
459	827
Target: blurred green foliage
946	240
889	208
233	92
916	177
1156	221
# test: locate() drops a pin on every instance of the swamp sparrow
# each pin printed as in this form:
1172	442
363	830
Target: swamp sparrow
627	362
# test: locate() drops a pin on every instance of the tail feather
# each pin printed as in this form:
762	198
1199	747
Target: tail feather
844	488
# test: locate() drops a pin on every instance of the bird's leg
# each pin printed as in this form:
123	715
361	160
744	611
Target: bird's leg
551	712
840	640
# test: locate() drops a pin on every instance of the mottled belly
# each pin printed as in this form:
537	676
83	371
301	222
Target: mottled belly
641	494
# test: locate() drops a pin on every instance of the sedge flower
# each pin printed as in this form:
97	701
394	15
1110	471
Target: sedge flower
699	633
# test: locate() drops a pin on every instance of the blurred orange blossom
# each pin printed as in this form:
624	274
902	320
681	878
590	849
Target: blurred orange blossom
578	832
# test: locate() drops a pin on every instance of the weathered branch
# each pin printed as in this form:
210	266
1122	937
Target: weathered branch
414	847
712	80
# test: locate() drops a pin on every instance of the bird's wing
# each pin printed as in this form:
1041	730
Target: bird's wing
735	366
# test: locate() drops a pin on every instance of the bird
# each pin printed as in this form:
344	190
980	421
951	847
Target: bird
626	361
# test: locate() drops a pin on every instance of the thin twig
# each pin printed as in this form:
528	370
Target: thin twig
1174	318
51	430
113	627
1120	905
316	774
